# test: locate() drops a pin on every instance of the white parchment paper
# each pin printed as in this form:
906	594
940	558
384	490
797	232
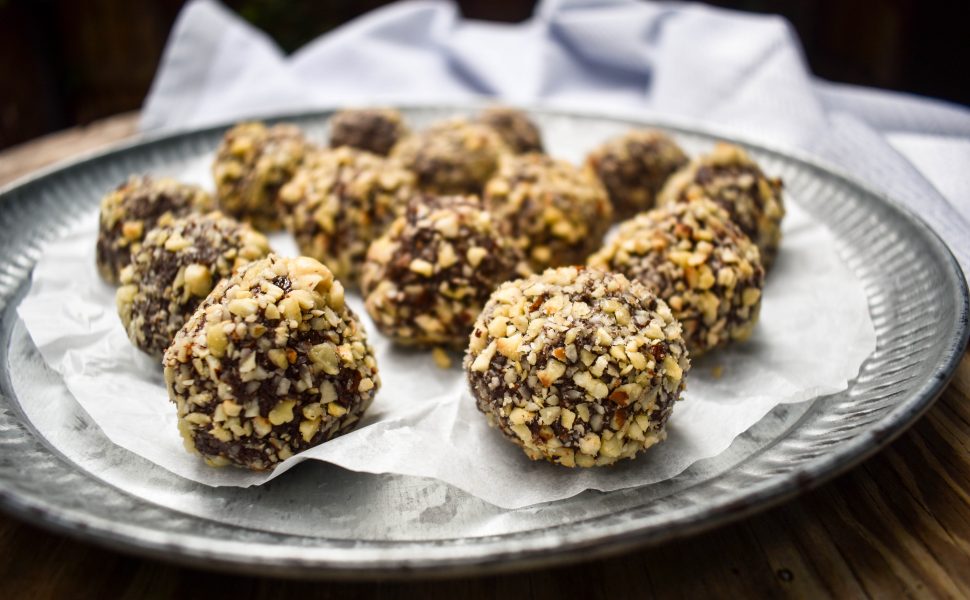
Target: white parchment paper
813	335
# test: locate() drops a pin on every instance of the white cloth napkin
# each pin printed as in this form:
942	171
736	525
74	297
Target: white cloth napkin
740	72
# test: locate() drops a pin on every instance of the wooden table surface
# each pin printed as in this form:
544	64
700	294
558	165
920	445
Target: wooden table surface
897	525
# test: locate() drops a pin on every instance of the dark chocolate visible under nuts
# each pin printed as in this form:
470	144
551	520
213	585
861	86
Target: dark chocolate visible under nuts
252	163
134	208
451	157
515	128
556	212
693	257
339	201
375	130
271	364
577	366
729	177
634	166
426	279
175	269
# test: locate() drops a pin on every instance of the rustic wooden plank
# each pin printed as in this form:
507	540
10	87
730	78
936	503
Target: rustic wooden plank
897	525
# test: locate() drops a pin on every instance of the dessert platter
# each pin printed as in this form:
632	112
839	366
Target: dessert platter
446	339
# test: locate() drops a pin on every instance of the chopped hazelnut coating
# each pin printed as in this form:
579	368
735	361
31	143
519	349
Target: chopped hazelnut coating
133	209
579	367
426	279
634	166
339	201
729	177
252	163
693	257
556	212
175	269
372	129
451	157
271	364
515	128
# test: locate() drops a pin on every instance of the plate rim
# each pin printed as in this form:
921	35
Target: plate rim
136	538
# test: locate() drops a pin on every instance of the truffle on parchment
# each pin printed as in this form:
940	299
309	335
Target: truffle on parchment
272	363
557	212
579	367
175	269
734	181
339	201
134	208
634	167
697	260
426	279
375	130
514	126
252	163
451	157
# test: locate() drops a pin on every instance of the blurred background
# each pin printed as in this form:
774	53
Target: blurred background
69	62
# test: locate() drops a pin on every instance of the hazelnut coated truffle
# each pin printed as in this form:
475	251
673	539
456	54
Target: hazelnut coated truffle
426	279
634	167
339	201
556	212
271	364
252	163
730	178
176	267
696	259
375	130
451	157
578	367
515	128
134	208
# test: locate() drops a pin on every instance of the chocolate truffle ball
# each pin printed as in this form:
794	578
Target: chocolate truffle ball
253	162
693	257
515	128
339	201
451	157
556	212
372	129
134	208
729	177
426	279
634	166
271	364
175	269
578	367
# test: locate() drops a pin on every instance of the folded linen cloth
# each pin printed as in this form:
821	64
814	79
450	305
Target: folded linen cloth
743	73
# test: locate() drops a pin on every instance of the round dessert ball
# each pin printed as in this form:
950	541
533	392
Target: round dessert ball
175	269
451	157
426	279
515	128
133	209
693	257
339	201
556	212
271	364
372	129
579	367
634	167
729	177
252	164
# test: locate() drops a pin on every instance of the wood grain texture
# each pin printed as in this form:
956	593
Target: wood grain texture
897	525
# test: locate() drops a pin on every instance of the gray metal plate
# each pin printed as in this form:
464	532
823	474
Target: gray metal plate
319	520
